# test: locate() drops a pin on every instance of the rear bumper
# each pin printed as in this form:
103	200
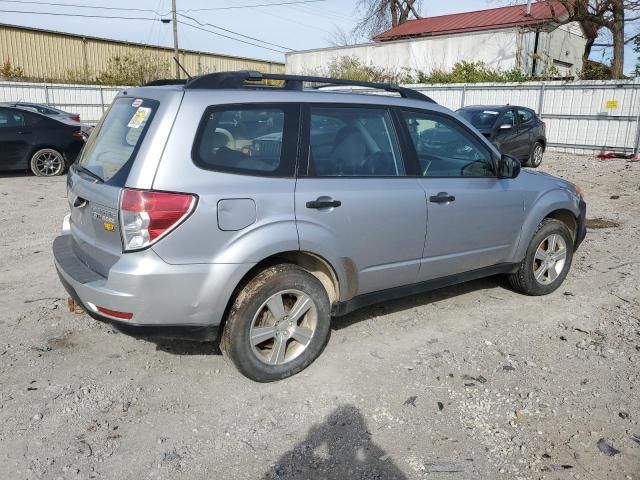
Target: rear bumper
169	301
582	224
201	333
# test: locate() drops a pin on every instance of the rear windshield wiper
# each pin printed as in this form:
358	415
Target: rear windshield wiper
88	172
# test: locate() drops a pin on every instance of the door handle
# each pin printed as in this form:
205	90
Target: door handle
442	197
24	132
324	203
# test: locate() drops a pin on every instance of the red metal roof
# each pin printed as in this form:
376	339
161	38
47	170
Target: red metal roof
490	19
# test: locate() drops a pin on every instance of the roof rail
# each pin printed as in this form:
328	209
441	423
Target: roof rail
238	80
165	81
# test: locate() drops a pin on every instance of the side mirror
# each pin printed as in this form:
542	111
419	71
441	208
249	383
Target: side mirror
509	167
506	126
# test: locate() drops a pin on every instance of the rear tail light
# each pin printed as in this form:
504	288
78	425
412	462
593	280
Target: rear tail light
77	133
146	216
75	118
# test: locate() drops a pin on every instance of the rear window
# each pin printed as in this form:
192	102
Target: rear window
248	139
109	153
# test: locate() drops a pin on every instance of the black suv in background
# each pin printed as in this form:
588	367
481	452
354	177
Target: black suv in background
516	131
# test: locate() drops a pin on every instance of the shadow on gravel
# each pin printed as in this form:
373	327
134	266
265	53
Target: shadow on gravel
185	347
407	303
340	448
17	174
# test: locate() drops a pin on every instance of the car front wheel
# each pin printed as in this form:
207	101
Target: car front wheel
547	261
279	323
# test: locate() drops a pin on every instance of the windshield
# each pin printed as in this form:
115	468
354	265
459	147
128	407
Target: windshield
111	150
481	119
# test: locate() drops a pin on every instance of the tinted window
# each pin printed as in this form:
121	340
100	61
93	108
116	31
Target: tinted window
111	148
481	119
248	139
353	142
508	118
525	115
445	149
11	118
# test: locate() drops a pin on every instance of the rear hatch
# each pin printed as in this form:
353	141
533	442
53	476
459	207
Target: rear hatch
95	181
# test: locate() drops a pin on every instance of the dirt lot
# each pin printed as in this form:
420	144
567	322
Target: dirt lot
470	382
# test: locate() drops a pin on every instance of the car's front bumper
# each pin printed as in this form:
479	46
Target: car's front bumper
170	301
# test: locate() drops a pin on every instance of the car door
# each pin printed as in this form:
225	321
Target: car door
507	139
473	217
354	204
14	140
526	132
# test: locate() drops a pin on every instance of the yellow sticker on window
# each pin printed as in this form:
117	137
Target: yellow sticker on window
612	104
139	117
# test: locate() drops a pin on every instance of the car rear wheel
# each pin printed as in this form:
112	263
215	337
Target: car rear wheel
547	261
279	323
537	152
47	162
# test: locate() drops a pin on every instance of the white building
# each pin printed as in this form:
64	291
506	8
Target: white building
502	38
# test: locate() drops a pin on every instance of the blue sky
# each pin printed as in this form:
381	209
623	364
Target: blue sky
296	27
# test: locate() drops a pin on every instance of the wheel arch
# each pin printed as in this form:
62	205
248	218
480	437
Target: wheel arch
312	263
557	204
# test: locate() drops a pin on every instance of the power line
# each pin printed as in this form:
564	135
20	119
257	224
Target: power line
232	32
131	9
231	38
97	7
79	15
296	21
254	5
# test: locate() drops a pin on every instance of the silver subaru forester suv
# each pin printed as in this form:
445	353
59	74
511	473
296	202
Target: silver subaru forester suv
228	207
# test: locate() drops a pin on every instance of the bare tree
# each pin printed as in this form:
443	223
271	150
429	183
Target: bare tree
381	15
340	37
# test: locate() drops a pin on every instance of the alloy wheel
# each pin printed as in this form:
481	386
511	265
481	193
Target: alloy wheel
538	151
283	327
49	163
549	259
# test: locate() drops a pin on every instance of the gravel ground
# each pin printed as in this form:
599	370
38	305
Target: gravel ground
469	382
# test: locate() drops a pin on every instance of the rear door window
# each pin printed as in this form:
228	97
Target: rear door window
525	116
111	150
11	118
248	139
353	142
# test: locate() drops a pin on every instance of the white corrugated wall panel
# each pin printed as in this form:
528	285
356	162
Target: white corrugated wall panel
589	124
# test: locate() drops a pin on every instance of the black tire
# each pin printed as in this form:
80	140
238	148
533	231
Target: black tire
47	162
524	279
250	302
535	157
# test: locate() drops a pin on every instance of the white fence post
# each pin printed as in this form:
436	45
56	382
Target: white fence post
102	99
541	99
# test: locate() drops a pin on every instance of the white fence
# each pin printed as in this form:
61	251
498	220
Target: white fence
581	117
89	101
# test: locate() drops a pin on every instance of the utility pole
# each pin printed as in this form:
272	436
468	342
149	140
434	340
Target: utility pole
176	52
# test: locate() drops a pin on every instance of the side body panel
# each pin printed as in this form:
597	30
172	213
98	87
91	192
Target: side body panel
377	233
476	230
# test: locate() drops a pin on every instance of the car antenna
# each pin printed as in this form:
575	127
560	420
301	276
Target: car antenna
182	68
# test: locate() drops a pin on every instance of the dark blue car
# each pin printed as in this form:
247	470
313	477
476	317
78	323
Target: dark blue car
516	131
